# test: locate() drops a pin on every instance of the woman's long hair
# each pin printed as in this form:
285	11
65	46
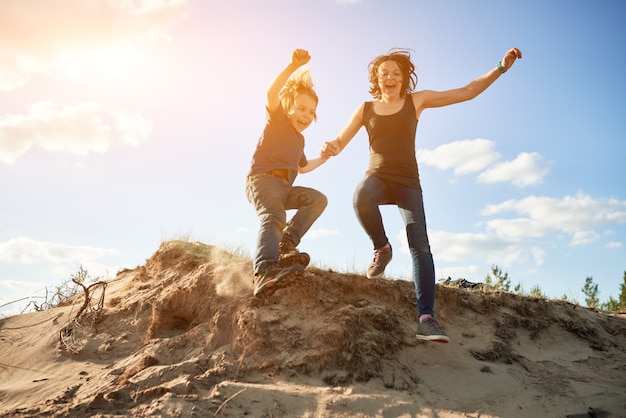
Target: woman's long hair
403	58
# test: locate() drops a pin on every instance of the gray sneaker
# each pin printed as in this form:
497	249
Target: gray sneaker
429	330
382	257
274	278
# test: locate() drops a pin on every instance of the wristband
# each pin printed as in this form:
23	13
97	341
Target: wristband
502	70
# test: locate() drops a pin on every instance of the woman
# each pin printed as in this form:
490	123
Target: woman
392	175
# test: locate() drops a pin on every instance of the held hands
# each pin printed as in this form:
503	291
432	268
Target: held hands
510	57
300	57
328	150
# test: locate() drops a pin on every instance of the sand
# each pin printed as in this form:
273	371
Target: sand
182	336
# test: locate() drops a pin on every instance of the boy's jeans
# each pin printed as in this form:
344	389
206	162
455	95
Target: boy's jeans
271	197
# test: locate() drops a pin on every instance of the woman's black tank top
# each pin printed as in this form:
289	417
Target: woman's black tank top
392	144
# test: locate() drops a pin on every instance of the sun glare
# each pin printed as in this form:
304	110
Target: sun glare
109	60
114	59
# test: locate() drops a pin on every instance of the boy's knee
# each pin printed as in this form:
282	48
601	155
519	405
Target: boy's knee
316	198
322	200
319	201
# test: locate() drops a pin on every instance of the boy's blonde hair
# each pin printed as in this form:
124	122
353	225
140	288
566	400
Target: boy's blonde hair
299	82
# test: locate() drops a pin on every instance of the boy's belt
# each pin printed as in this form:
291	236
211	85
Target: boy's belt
280	172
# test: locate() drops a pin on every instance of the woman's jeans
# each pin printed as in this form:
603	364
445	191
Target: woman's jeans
373	191
271	197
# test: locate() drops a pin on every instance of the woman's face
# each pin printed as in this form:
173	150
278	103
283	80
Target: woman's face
390	78
302	113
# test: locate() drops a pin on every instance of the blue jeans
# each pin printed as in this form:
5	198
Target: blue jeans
271	197
373	191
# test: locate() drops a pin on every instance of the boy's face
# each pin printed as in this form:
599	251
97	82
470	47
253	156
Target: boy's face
302	113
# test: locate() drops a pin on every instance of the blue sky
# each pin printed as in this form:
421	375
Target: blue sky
125	124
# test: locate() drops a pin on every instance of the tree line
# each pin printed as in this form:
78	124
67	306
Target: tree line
499	280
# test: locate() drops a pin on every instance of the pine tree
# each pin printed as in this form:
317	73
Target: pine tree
622	295
590	289
498	279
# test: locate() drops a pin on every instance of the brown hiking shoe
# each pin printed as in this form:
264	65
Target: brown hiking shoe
274	278
382	257
289	255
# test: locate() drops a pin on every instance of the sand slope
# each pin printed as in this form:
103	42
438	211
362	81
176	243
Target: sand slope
183	336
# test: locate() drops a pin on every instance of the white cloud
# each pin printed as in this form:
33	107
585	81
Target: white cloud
132	127
481	247
455	247
523	171
19	285
518	228
25	250
45	37
584	237
320	233
464	157
576	215
78	129
538	255
513	241
10	78
472	156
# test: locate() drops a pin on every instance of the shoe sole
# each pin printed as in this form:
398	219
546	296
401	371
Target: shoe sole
434	338
269	287
301	259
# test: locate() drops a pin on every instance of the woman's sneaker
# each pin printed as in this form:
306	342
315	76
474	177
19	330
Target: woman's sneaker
274	278
289	255
382	257
429	330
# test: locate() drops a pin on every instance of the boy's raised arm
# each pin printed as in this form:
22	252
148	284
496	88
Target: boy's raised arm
299	57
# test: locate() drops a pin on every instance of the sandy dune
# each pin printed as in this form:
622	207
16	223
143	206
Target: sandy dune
183	336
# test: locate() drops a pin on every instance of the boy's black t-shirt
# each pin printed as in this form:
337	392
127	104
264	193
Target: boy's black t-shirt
280	146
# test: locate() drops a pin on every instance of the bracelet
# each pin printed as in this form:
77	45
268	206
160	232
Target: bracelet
502	70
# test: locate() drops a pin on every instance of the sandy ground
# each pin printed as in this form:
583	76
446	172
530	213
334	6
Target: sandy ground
183	336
